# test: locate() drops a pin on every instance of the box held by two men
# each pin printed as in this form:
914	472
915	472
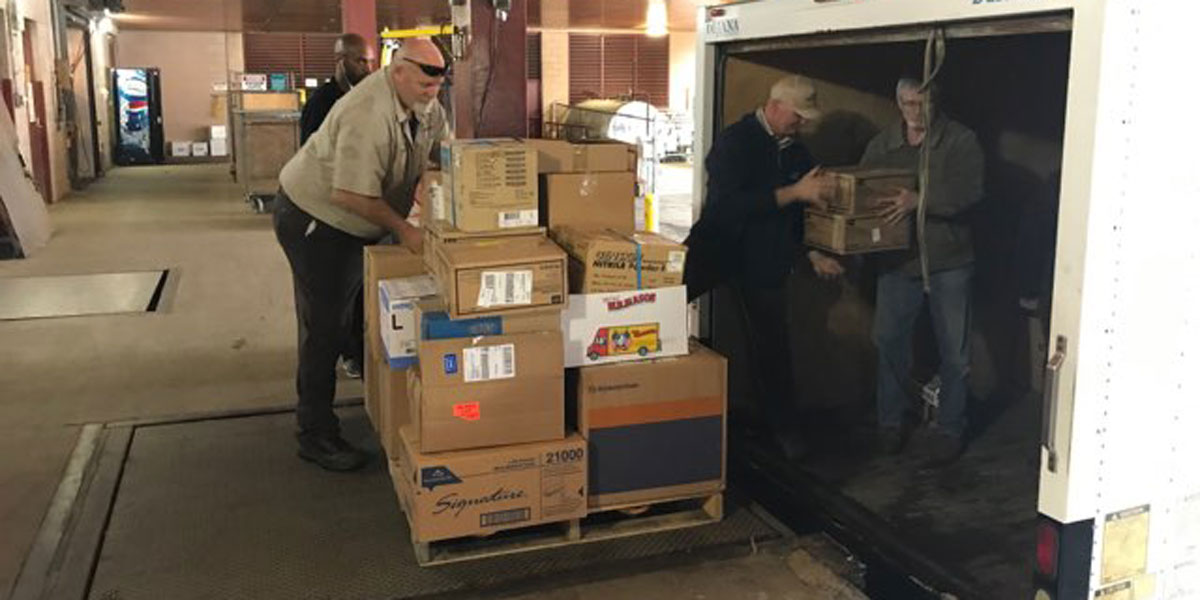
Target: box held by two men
559	156
598	200
480	492
490	184
604	260
434	323
488	391
614	327
858	189
854	234
440	232
655	429
398	325
501	276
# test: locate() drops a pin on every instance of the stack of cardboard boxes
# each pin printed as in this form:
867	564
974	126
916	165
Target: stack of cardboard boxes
490	384
853	223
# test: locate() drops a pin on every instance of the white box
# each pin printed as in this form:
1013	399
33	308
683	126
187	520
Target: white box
612	327
199	148
397	317
218	147
181	149
218	132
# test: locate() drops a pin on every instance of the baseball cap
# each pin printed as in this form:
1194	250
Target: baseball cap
800	93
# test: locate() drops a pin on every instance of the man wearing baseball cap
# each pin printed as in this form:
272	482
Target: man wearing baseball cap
760	177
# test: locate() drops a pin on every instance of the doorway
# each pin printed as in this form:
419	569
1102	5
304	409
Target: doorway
39	138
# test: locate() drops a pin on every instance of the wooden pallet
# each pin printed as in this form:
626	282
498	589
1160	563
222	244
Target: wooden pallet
608	524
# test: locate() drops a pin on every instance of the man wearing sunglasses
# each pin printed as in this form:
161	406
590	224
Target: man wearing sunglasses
353	64
352	184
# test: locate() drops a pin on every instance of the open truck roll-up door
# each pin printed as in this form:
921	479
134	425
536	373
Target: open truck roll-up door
1118	493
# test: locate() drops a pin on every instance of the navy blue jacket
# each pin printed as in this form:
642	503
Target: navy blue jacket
742	235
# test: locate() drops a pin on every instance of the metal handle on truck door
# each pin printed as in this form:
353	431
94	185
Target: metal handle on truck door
1050	402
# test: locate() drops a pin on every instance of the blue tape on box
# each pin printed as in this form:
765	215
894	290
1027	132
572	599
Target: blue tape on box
439	326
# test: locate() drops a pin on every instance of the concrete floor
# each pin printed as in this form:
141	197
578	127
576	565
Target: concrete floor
223	339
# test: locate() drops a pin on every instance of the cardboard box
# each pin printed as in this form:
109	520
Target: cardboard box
489	391
480	492
623	326
558	156
398	316
859	190
181	149
441	233
500	276
491	184
655	429
380	262
218	132
850	234
594	200
394	410
218	147
199	148
603	260
434	323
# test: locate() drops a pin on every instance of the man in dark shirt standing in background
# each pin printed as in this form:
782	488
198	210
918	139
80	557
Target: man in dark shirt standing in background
750	233
353	63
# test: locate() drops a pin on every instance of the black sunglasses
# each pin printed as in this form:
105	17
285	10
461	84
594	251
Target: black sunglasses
430	70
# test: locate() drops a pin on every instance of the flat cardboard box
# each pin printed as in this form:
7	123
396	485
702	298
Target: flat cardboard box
558	156
442	233
489	391
380	262
199	148
501	276
434	323
858	190
655	429
181	148
850	234
394	409
219	147
480	492
491	184
397	316
595	200
603	260
612	327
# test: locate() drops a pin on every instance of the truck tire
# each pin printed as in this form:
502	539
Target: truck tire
593	356
643	351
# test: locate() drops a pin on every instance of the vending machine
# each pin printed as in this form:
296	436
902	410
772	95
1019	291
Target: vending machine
139	116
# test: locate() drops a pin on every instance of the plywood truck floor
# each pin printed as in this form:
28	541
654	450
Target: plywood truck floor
289	530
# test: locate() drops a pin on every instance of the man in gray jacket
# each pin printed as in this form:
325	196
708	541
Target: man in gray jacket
955	185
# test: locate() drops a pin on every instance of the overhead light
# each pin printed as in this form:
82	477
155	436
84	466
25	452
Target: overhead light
656	18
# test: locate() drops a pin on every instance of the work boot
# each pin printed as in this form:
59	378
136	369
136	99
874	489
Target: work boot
944	448
332	453
891	440
351	367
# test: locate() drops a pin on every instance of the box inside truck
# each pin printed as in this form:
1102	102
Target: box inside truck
974	519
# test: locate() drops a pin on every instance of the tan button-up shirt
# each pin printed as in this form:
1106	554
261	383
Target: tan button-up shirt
365	146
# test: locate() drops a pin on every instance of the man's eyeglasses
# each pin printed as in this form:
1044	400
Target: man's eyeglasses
430	70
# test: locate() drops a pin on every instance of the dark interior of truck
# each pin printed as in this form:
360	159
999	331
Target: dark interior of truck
968	526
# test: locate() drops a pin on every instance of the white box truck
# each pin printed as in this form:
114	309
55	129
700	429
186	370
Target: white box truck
1084	481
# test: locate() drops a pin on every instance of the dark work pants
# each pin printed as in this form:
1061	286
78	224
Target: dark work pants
765	318
327	280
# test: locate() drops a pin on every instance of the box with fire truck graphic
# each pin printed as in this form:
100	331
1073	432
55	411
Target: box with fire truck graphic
612	327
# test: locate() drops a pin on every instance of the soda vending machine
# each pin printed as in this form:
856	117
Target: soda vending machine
139	116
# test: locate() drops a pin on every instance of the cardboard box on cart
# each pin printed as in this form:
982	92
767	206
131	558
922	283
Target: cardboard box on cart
480	492
560	156
604	260
489	184
593	200
380	262
501	276
613	327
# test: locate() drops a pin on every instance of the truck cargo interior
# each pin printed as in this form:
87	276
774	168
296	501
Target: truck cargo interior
972	522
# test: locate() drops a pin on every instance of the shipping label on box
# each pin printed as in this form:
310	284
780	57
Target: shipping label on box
589	200
502	275
479	492
199	148
219	147
655	429
850	234
608	261
181	149
397	316
435	323
558	156
491	183
489	391
624	326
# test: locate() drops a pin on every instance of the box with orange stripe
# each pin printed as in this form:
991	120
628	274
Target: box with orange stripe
655	429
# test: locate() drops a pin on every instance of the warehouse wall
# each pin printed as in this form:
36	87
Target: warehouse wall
683	70
191	62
